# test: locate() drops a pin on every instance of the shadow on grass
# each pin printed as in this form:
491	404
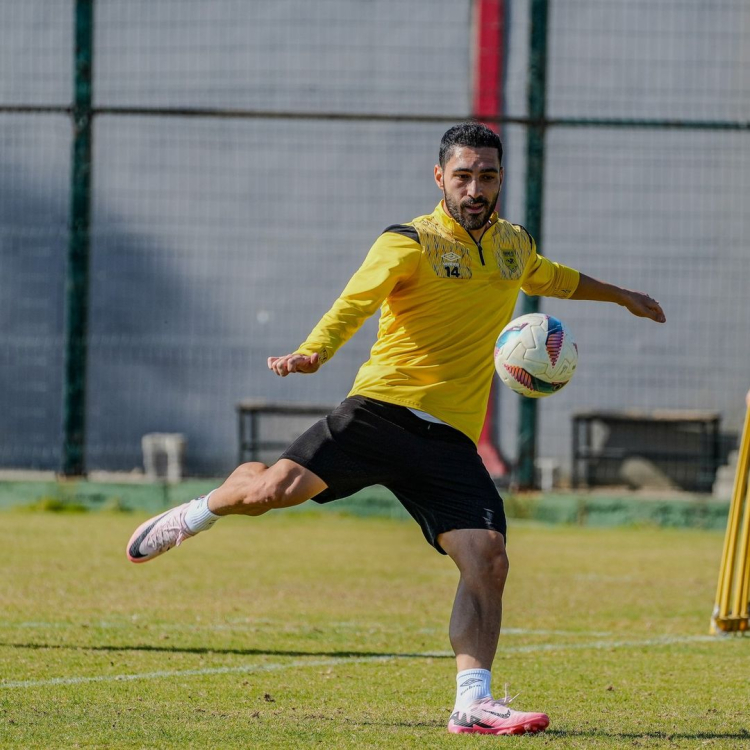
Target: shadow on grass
434	724
625	737
742	736
235	651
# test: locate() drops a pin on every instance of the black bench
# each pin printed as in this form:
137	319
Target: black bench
684	445
254	445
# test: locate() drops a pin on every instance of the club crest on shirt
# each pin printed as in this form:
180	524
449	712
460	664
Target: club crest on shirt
510	260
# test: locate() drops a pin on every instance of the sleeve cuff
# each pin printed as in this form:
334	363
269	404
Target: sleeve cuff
325	352
568	283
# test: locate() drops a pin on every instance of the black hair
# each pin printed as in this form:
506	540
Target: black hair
472	134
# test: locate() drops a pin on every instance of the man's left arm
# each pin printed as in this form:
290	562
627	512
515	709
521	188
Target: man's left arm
638	303
549	279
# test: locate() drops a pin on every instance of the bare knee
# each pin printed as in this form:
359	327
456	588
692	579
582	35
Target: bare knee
238	487
479	555
280	486
490	564
254	488
248	470
499	565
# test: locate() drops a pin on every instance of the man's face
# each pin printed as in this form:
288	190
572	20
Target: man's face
470	181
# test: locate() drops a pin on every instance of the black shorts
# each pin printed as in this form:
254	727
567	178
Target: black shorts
433	469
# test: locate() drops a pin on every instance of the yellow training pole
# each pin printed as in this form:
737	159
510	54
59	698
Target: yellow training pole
742	595
738	531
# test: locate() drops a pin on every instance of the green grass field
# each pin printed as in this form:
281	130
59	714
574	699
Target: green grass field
315	630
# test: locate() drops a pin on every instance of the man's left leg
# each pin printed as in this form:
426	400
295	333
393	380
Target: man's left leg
482	562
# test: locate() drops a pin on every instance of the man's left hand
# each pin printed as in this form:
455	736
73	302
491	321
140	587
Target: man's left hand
643	306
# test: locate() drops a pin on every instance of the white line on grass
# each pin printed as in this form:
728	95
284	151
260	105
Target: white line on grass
664	640
345	660
193	672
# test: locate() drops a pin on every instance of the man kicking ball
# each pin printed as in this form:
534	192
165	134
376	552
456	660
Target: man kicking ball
446	284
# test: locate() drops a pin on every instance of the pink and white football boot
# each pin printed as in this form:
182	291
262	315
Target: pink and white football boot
490	716
158	535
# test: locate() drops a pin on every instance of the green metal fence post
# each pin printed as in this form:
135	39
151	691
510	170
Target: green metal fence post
77	274
537	84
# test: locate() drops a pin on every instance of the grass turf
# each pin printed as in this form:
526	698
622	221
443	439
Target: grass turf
312	630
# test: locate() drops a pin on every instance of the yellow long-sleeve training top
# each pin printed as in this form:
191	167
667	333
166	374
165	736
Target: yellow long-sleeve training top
443	299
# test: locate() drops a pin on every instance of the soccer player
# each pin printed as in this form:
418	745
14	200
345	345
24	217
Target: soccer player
446	283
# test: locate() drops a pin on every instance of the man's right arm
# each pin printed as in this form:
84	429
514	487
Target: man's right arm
393	258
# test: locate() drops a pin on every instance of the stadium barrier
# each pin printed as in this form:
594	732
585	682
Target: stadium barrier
731	613
591	509
682	445
266	428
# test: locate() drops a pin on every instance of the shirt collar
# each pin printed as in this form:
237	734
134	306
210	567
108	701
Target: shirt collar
444	218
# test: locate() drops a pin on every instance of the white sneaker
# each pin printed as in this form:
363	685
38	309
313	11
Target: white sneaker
158	535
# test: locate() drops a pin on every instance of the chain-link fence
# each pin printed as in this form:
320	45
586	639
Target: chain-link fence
246	154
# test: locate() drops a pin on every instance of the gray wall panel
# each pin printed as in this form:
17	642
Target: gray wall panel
36	52
229	242
218	242
34	166
385	56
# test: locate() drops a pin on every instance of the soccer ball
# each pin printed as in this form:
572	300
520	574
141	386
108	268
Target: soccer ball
535	355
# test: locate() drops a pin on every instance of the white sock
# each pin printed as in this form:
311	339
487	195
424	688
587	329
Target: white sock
198	517
471	685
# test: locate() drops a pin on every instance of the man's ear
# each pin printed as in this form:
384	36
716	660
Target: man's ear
439	176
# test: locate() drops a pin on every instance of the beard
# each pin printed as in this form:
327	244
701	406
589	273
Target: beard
470	222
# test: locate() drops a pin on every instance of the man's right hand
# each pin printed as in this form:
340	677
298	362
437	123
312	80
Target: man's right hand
305	364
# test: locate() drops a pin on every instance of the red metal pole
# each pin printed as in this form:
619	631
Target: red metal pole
488	47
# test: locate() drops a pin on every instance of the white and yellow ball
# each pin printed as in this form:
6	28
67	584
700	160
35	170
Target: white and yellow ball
535	355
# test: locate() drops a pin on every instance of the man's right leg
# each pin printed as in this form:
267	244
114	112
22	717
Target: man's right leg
482	561
252	489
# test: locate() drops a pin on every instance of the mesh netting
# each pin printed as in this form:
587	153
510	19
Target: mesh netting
218	241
